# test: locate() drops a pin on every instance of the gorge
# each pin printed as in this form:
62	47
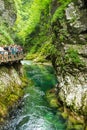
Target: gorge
55	31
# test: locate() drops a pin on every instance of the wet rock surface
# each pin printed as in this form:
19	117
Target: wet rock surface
70	60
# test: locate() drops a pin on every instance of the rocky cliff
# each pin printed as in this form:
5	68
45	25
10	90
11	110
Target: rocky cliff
8	11
11	85
7	19
11	76
70	59
61	36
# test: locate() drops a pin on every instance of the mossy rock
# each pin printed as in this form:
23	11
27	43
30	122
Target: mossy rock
12	99
2	88
54	103
78	127
3	110
52	99
74	121
24	79
86	127
64	115
74	127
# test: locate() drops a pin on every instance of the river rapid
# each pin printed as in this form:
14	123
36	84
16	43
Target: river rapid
34	112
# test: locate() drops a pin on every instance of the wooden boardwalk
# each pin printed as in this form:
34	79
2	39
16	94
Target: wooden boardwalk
11	59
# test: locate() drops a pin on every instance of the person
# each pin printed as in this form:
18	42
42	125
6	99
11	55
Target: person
6	48
2	53
6	55
9	52
16	50
13	51
6	52
20	50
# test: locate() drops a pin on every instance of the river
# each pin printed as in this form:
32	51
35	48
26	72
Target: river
34	112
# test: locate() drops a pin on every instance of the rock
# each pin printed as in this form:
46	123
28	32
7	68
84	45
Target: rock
8	11
2	7
71	57
8	76
7	19
11	89
77	17
52	99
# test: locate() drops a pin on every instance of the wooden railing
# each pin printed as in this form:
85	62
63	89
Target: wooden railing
11	58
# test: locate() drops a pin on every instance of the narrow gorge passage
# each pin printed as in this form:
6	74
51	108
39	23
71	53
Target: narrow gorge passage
48	31
34	112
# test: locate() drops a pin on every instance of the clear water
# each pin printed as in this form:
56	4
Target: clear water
34	112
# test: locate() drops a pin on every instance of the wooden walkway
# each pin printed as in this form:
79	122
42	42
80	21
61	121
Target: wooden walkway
12	59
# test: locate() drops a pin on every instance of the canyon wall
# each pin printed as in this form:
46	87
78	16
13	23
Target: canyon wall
70	60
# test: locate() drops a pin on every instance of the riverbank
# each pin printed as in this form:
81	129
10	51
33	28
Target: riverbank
74	120
12	82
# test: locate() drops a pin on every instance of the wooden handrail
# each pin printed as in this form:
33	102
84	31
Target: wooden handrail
11	58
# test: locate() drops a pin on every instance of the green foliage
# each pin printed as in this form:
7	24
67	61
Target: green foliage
44	52
73	57
5	37
59	13
5	33
29	14
48	48
33	26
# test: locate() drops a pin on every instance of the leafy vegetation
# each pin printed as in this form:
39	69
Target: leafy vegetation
5	36
33	26
29	14
59	13
73	57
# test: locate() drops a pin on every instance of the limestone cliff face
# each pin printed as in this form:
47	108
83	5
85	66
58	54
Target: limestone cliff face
8	11
70	60
7	19
11	87
9	78
11	83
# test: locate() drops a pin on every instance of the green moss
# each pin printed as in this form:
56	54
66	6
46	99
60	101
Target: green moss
31	56
72	56
12	99
73	120
25	81
71	126
3	110
65	115
46	50
9	97
5	37
52	99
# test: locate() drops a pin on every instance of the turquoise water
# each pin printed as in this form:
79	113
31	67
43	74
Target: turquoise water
34	112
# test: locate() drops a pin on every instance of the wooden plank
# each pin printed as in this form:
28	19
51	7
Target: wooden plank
15	59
